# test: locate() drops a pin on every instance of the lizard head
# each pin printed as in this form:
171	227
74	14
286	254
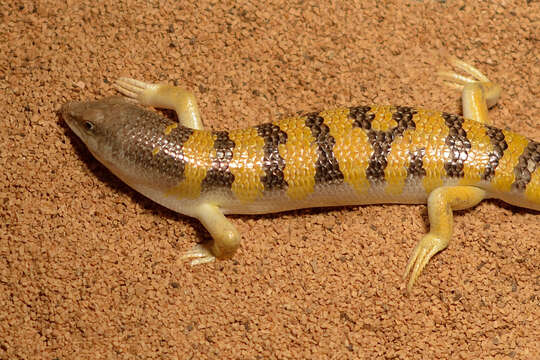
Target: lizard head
124	137
97	123
91	121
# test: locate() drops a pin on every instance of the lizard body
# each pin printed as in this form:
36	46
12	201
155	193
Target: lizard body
345	156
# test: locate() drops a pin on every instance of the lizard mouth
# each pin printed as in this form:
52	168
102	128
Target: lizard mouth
69	114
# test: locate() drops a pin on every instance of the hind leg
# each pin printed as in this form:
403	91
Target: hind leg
478	93
441	203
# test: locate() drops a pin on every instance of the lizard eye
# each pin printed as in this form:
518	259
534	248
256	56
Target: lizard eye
88	126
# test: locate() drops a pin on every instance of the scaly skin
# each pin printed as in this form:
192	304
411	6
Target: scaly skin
357	155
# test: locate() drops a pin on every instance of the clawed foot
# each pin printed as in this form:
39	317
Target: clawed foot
134	89
422	253
200	254
491	91
456	80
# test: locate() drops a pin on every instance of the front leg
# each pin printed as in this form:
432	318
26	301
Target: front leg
441	202
163	96
225	238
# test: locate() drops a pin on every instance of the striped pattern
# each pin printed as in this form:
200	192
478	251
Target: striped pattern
196	161
532	190
300	154
326	167
349	137
458	146
504	173
499	144
527	164
248	172
273	162
219	175
415	170
366	148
